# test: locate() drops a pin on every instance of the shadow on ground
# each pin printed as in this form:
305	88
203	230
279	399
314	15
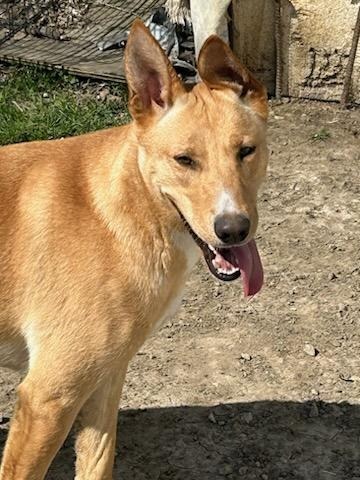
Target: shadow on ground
248	441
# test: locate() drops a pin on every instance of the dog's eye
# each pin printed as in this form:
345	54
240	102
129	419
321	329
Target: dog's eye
245	152
185	160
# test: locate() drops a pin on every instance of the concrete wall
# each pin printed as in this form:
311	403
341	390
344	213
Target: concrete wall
316	39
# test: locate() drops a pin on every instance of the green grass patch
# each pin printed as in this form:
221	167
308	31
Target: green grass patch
321	135
38	104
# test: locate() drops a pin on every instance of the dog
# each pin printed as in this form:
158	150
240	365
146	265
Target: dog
99	233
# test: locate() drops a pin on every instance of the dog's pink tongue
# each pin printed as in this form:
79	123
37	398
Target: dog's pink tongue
248	261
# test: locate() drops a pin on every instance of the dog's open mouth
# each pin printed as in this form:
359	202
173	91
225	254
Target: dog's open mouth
230	263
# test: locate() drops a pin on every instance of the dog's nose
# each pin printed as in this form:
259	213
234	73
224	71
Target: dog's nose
232	228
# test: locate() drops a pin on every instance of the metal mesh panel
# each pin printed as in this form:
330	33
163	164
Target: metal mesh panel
18	15
44	32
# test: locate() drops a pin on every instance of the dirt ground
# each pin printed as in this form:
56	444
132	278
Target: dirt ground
226	389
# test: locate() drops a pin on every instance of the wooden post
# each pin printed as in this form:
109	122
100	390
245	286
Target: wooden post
278	52
350	65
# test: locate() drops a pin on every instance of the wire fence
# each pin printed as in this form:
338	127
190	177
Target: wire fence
64	33
57	19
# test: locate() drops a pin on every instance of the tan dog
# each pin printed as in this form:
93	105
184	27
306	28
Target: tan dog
97	239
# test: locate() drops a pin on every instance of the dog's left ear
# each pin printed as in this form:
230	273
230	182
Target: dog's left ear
220	68
153	82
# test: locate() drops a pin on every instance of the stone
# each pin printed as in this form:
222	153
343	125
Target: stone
246	357
226	469
247	417
310	350
314	410
212	418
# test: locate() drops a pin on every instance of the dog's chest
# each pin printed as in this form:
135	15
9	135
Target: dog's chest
191	252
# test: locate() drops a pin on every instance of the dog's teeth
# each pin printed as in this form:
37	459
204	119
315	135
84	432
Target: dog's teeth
233	270
216	265
212	248
223	271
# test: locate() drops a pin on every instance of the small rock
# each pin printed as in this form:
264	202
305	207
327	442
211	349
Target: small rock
337	411
346	377
212	418
242	470
102	95
314	411
343	308
332	276
221	423
264	476
310	350
217	291
226	469
246	357
333	157
247	417
315	392
45	95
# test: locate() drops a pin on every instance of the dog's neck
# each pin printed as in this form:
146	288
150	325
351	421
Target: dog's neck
149	237
125	200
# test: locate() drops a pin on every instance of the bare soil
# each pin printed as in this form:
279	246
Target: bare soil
227	390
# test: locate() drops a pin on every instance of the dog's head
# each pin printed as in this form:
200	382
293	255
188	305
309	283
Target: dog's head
204	149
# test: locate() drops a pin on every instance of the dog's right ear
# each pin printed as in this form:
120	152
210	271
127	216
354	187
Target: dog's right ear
153	82
220	68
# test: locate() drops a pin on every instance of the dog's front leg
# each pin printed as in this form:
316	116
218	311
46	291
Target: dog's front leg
42	420
95	443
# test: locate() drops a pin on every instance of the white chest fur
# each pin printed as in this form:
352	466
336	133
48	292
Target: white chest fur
186	244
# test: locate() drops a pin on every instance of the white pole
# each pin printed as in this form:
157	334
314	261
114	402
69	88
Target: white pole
208	18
